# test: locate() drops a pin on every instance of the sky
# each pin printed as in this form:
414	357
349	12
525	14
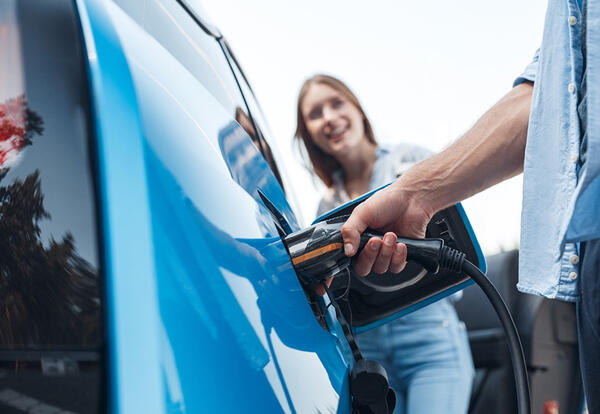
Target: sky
424	72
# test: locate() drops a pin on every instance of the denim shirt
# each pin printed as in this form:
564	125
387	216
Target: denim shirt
561	195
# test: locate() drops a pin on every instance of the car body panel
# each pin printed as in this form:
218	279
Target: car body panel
200	289
131	297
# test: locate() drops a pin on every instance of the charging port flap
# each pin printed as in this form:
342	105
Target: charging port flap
376	299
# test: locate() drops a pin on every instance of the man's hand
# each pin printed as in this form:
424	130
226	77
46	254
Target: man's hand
394	210
490	152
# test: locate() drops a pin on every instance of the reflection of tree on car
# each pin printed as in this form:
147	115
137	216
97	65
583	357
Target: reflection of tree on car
50	294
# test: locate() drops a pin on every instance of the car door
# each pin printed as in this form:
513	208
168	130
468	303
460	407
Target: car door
230	328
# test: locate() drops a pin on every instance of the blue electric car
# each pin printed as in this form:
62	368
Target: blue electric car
142	268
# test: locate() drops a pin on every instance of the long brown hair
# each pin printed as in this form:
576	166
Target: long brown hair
319	162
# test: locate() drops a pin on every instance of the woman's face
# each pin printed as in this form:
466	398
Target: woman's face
334	123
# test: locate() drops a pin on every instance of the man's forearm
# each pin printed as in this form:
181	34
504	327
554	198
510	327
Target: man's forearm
490	152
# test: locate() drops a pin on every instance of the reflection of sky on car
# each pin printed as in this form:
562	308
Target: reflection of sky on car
241	156
296	386
425	71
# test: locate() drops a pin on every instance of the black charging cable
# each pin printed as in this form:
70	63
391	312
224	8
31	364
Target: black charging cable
433	255
346	328
455	261
317	254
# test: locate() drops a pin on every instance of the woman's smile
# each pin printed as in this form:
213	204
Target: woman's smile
332	120
337	134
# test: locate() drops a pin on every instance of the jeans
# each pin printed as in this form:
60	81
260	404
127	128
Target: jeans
427	358
588	324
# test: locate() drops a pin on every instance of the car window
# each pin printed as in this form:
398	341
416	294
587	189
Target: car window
199	53
196	8
268	141
171	25
47	204
50	285
259	126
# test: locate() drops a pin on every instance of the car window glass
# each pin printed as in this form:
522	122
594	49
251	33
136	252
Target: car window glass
48	239
257	118
268	141
197	51
196	7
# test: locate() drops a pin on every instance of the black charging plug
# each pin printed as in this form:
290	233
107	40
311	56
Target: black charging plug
317	252
426	252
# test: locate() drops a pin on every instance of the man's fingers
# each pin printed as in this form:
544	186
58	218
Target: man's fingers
364	262
353	228
398	258
382	262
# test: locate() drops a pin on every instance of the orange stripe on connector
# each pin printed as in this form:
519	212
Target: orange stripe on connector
317	252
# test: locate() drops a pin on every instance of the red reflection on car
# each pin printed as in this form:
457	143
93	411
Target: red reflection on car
12	130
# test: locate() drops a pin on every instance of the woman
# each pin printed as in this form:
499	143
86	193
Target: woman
426	353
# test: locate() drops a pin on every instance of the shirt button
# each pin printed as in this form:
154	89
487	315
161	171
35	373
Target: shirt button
574	259
572	275
571	87
572	20
574	157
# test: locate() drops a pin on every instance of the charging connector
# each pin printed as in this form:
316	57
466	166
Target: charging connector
317	253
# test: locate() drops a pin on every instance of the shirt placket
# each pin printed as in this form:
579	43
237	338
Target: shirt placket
569	261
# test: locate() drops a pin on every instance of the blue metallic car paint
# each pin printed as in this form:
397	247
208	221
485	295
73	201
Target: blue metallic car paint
135	383
207	313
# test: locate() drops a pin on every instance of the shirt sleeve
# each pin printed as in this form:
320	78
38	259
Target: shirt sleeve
530	70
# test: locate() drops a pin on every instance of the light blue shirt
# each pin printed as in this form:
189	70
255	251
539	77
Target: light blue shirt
391	162
561	197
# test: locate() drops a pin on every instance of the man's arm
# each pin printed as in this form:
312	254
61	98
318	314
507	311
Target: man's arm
490	152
